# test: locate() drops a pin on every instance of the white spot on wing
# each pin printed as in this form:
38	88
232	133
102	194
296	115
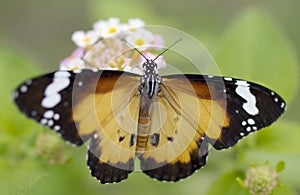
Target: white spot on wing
227	79
33	113
95	135
56	128
243	90
44	121
57	85
51	101
56	116
23	88
50	123
251	121
29	82
48	114
62	74
242	83
15	94
52	97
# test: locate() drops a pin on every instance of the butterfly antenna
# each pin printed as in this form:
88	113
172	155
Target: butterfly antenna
167	49
132	46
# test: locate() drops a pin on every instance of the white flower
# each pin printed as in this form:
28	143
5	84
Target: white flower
140	39
84	39
158	42
107	53
108	28
134	23
73	64
104	47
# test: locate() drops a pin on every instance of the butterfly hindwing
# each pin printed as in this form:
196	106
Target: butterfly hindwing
107	172
114	114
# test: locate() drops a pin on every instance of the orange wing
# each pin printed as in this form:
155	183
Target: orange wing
194	110
101	106
180	120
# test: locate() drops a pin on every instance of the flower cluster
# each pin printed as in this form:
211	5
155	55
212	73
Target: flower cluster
261	180
50	148
110	46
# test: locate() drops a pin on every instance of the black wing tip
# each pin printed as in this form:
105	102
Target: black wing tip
27	101
270	107
230	137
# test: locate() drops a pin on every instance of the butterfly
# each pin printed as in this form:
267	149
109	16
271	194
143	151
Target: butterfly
166	122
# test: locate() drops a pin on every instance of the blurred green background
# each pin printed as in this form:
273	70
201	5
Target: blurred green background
256	40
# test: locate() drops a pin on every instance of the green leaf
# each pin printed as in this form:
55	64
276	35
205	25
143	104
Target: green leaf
14	69
19	168
280	166
256	49
228	185
282	189
240	181
281	137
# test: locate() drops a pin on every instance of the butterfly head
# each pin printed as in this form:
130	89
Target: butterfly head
150	67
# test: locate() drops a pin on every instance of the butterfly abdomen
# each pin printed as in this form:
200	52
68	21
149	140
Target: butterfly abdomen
143	133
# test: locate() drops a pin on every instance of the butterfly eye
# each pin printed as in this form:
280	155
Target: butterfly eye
155	67
146	65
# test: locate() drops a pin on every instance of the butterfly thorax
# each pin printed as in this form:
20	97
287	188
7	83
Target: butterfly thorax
150	80
149	89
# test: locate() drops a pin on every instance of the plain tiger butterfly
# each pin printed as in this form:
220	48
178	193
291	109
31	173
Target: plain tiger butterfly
166	122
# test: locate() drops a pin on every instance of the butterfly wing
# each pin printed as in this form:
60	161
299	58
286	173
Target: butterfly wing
195	110
242	107
48	100
176	147
190	112
101	106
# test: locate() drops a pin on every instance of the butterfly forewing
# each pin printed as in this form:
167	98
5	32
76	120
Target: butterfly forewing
48	100
235	107
102	105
